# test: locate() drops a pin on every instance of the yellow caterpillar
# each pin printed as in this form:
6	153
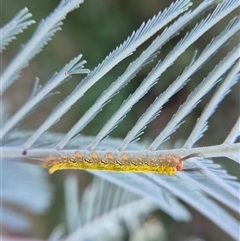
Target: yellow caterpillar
161	164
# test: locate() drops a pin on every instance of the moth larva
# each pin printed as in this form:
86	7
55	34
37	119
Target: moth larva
161	164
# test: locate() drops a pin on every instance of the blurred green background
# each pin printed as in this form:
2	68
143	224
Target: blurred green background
95	29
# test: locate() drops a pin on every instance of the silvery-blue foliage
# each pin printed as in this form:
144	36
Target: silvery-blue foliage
109	194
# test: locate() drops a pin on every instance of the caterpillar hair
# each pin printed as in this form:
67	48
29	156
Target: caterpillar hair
162	164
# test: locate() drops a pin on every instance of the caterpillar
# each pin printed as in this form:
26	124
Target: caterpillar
162	164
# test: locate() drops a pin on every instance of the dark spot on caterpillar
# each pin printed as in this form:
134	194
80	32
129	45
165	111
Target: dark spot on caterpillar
24	152
73	160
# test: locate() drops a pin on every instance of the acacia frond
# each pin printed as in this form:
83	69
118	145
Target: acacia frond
103	205
14	27
42	35
199	182
121	52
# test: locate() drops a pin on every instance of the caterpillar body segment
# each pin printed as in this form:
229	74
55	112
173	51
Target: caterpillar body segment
162	164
